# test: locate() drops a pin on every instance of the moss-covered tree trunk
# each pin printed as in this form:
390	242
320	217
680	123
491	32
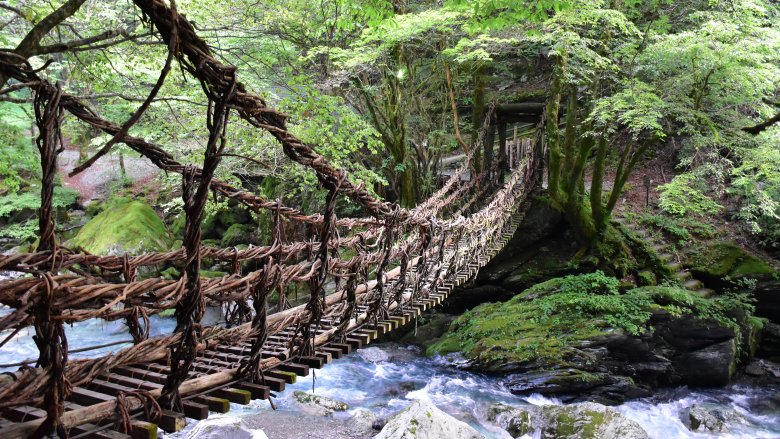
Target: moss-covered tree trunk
477	115
568	158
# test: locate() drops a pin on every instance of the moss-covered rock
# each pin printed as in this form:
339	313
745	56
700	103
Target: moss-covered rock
126	226
578	336
582	421
714	261
320	405
235	235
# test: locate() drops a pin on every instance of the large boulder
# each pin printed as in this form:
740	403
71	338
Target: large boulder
723	265
581	421
580	339
124	226
423	420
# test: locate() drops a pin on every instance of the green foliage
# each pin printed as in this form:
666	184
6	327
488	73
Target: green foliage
686	195
18	158
31	200
679	228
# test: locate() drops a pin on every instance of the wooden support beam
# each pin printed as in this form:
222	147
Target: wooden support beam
288	377
296	368
237	396
195	410
171	422
143	430
218	405
258	391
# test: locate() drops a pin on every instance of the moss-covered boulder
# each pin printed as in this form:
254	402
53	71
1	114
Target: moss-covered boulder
720	260
125	226
237	234
580	338
726	266
582	421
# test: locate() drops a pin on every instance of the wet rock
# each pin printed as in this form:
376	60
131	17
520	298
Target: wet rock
363	421
373	355
715	420
219	428
770	342
317	404
585	420
517	422
423	420
712	365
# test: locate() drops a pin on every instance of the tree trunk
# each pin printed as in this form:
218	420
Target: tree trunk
477	114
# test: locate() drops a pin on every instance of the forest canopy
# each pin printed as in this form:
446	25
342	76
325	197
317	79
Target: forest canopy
389	91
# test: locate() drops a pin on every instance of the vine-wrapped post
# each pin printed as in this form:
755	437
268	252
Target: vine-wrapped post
190	309
250	367
317	283
49	333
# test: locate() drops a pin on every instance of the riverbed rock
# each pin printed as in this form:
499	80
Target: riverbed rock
363	421
219	428
770	342
580	421
423	420
716	420
124	226
317	404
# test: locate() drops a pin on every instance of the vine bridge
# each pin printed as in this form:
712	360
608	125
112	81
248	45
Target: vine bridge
402	261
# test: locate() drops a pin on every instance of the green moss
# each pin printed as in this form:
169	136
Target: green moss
545	324
236	234
646	277
125	226
722	259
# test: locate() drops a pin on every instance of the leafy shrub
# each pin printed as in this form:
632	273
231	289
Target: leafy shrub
683	196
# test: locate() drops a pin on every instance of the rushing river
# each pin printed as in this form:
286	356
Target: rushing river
385	378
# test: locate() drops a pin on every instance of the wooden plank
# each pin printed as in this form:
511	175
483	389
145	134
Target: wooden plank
345	347
327	357
218	405
237	396
143	430
24	413
334	352
355	342
314	362
88	431
276	384
195	410
135	383
147	375
171	422
296	368
258	391
288	377
83	396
